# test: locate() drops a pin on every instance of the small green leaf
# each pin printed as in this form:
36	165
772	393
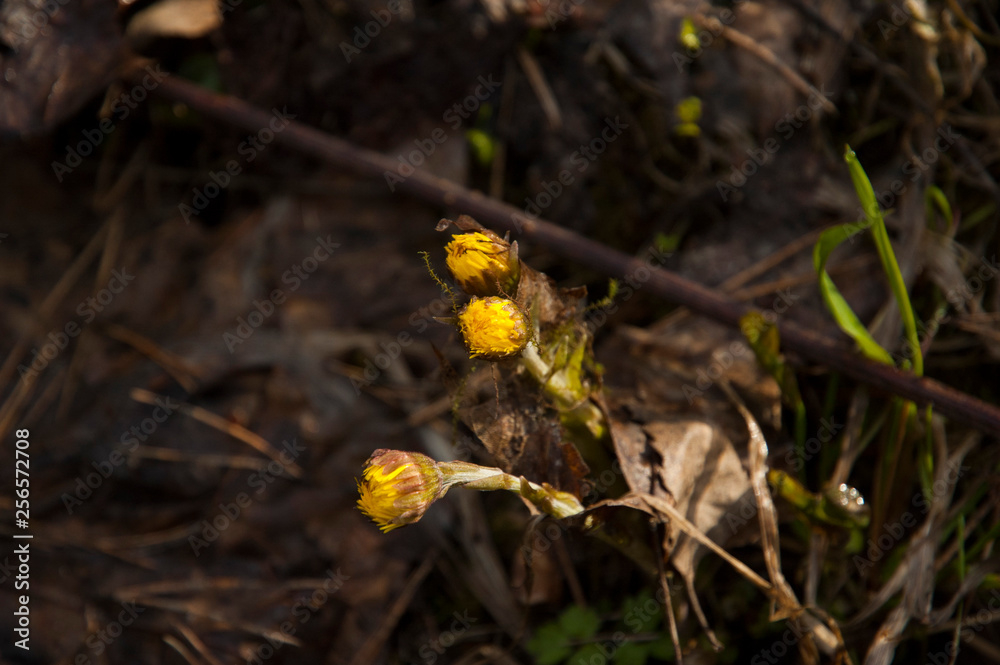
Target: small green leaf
689	35
579	622
549	645
552	642
585	655
934	197
632	653
842	312
688	109
667	243
483	147
688	112
662	648
642	613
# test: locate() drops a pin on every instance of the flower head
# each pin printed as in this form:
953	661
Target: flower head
399	487
483	264
494	328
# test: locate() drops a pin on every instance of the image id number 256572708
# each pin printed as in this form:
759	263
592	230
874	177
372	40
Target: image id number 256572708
22	513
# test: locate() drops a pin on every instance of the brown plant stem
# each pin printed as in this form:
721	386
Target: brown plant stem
367	163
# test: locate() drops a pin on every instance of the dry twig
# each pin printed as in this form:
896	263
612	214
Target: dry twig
665	284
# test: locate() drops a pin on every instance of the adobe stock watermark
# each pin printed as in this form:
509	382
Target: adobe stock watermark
971	626
432	650
761	155
957	297
390	351
793	633
899	15
302	611
986	272
230	512
88	309
827	430
892	534
543	538
29	26
120	110
581	159
915	167
746	509
908	350
99	642
249	149
462	110
723	359
596	317
129	439
293	279
363	35
558	11
635	620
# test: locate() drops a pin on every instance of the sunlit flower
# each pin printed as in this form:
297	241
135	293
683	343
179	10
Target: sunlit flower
494	328
398	487
483	264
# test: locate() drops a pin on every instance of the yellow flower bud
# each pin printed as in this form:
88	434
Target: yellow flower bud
494	328
484	265
399	487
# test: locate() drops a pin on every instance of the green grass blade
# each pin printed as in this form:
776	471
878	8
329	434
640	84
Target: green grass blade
935	198
866	194
835	303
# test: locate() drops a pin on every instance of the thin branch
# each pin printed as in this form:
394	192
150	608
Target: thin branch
367	163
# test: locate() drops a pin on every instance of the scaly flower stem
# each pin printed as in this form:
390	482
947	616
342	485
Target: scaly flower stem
400	486
559	386
548	499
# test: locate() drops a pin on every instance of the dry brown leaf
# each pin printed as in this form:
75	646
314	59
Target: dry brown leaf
680	456
674	366
188	19
521	433
692	462
682	447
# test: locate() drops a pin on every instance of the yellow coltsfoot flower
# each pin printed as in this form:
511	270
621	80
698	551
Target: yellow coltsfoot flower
494	328
483	263
399	487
